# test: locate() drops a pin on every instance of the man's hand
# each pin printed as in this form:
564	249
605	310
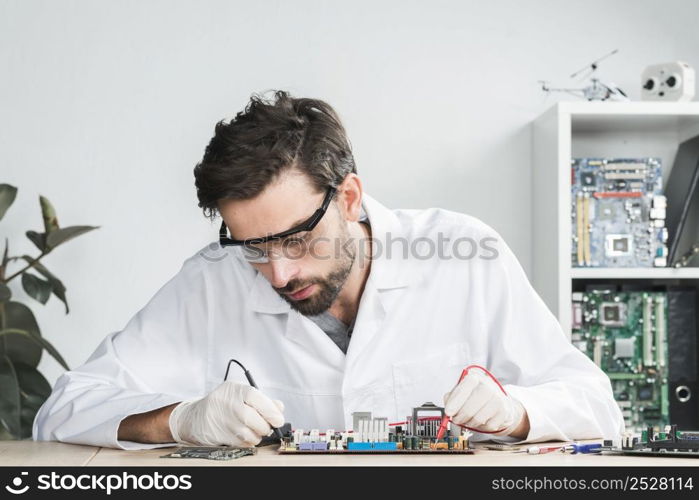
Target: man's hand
477	402
232	414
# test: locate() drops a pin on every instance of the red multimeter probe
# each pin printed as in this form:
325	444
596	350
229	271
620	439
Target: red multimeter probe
446	419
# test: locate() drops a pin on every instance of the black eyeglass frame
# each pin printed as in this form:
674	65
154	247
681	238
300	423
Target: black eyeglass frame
308	225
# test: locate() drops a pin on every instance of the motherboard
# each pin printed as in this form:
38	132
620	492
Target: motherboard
618	213
376	435
625	334
670	442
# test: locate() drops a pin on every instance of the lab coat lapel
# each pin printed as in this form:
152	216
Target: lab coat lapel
370	316
386	277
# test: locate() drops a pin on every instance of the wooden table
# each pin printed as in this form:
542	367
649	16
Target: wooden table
29	453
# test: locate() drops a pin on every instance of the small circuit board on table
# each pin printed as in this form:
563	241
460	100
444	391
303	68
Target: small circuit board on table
210	452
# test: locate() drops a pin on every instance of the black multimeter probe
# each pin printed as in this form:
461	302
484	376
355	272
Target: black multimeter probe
251	381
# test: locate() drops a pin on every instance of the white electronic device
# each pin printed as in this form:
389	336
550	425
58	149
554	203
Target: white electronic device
673	81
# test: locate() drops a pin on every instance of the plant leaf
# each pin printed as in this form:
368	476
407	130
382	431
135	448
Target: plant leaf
40	341
67	233
5	292
34	390
20	348
39	239
9	397
5	258
49	215
31	381
7	196
36	288
59	289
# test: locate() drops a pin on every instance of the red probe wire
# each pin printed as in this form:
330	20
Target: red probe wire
446	419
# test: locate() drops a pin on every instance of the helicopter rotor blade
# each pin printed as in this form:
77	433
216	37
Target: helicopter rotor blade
593	65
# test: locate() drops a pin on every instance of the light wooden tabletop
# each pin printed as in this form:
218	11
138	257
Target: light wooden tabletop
38	453
29	453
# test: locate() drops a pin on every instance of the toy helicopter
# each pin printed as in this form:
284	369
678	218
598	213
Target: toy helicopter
596	90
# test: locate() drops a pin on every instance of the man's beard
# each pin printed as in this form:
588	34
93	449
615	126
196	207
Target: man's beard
328	287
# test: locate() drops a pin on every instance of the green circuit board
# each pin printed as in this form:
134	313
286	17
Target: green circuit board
625	334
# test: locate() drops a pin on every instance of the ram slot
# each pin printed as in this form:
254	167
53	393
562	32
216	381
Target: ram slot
586	230
579	227
647	331
625	166
597	351
660	331
611	176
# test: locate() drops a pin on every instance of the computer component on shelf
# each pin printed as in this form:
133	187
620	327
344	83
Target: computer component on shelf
683	213
625	334
417	434
683	356
618	213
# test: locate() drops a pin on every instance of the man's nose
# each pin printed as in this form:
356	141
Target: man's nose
283	270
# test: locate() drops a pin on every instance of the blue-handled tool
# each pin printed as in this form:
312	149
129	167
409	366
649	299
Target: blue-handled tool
582	448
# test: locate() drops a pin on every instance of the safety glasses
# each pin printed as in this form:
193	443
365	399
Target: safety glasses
307	225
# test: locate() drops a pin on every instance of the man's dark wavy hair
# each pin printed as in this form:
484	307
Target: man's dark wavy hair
271	135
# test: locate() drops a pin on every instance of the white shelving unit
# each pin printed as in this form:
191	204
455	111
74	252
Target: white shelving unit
657	273
595	129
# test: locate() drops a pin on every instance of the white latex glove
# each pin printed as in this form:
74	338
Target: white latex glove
478	402
231	415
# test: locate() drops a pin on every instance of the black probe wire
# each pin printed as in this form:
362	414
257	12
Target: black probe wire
225	377
248	376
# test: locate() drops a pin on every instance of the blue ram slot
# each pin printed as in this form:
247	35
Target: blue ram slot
385	446
371	446
359	446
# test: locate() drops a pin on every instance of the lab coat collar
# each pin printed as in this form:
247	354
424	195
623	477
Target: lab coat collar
385	274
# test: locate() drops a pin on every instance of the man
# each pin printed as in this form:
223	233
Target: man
335	304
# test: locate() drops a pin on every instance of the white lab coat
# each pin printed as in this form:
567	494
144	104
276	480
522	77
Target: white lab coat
420	321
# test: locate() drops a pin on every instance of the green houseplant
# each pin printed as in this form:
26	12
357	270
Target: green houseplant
23	389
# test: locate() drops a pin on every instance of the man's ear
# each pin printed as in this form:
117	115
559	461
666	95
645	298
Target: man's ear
349	197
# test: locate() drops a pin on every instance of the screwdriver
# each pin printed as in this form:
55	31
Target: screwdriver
582	448
540	450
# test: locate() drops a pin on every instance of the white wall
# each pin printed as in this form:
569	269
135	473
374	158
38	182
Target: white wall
106	106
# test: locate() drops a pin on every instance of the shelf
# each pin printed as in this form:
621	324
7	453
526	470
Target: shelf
635	273
633	108
578	129
631	118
